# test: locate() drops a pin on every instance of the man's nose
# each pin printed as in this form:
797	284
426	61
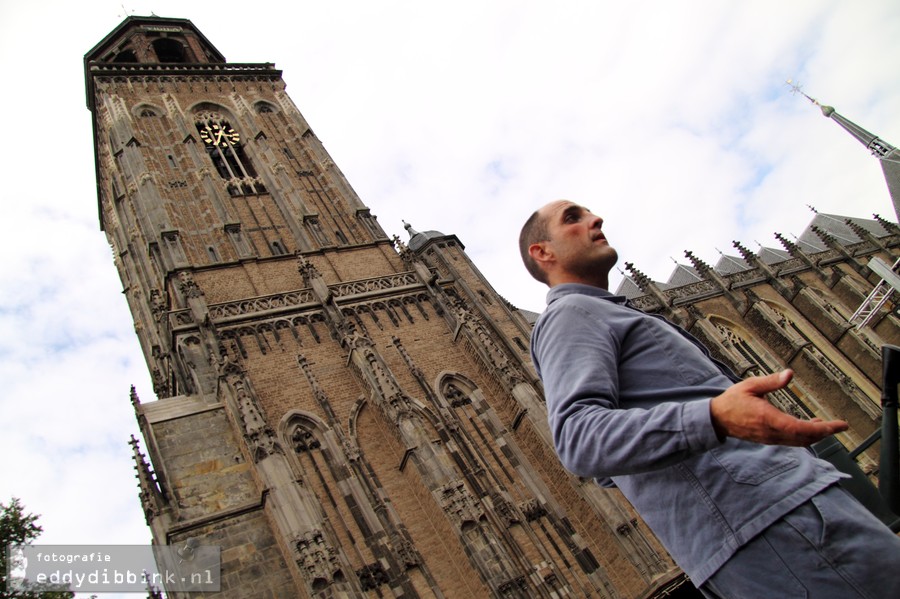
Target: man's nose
596	221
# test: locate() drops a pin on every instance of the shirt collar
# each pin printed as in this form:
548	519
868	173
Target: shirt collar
565	289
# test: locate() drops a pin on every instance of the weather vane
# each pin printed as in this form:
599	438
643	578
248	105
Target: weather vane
796	89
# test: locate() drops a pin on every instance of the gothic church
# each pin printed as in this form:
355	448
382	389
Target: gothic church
348	415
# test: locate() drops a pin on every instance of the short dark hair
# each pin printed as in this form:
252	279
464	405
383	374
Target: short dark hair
533	231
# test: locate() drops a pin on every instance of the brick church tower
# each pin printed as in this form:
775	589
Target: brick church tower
344	414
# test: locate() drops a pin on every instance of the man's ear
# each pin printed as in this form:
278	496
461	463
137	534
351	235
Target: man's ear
541	252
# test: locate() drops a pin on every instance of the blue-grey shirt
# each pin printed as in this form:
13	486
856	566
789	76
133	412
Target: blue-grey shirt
628	403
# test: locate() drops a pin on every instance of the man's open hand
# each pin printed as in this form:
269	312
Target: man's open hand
742	411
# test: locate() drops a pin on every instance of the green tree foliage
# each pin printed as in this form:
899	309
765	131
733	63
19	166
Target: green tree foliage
19	528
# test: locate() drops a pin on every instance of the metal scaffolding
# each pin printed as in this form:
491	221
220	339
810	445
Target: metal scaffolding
890	282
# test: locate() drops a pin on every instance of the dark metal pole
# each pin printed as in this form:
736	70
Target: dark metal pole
889	466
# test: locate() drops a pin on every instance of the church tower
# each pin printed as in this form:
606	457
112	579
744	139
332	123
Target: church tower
344	414
888	156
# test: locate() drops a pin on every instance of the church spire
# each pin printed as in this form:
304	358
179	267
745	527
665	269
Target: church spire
888	155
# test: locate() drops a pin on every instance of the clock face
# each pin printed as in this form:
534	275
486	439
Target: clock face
219	135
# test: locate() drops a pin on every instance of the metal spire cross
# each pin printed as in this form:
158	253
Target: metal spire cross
796	89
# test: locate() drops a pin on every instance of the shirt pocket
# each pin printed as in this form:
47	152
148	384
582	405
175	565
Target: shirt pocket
751	464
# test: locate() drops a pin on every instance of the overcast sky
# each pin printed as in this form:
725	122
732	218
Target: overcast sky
669	119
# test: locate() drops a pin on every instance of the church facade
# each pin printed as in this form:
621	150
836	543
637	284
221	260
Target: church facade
348	415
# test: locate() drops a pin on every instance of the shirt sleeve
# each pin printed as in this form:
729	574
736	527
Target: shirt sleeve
577	356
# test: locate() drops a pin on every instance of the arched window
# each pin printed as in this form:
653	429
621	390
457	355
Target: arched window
169	50
785	399
302	439
224	146
125	56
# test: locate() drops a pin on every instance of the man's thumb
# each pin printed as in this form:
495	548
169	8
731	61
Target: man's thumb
772	382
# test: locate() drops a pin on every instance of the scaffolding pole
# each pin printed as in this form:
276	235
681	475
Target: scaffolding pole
890	282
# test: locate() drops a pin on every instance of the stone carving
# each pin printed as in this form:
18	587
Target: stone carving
514	586
504	509
303	440
532	509
793	334
375	372
386	384
181	318
745	276
886	224
372	576
456	397
146	480
259	330
279	301
413	368
498	360
260	437
831	368
876	349
196	353
694	314
463	509
375	284
404	551
351	449
261	304
685	291
306	269
157	304
405	253
646	303
318	392
317	560
225	364
188	286
626	528
177	71
160	387
351	337
791	265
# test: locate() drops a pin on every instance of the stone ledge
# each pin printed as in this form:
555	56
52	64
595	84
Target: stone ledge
179	406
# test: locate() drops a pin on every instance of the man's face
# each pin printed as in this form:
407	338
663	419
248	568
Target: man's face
579	247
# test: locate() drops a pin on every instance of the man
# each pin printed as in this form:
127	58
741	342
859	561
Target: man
721	476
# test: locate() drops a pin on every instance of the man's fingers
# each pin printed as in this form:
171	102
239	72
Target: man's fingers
742	411
760	385
793	431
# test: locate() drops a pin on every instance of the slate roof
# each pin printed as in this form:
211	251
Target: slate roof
808	242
